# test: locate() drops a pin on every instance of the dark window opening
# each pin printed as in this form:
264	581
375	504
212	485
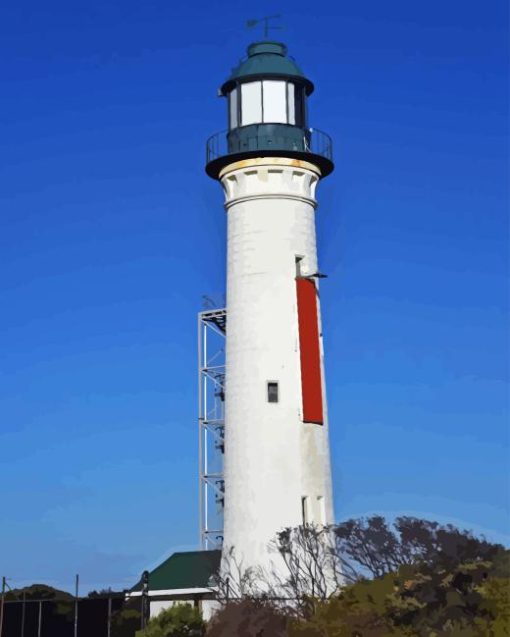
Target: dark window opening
300	106
304	509
272	392
298	266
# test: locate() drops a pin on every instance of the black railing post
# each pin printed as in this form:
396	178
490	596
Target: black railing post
145	600
109	619
76	592
39	620
23	604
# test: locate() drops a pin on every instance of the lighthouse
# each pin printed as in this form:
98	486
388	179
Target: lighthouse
269	162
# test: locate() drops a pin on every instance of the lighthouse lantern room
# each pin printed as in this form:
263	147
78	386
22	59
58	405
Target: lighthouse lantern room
267	111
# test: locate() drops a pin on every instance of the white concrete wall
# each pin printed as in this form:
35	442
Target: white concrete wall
207	606
157	606
272	458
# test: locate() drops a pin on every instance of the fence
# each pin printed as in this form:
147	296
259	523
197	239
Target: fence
43	613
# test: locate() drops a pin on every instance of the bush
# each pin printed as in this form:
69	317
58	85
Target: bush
181	620
249	618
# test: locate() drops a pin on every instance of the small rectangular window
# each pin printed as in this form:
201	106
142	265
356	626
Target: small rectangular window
304	509
322	509
298	266
272	392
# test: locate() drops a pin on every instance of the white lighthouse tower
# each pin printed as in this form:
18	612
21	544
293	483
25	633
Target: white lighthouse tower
276	457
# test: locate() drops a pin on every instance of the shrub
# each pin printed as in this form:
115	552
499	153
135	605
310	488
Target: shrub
181	620
249	618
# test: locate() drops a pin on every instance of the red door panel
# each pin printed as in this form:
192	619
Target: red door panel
311	381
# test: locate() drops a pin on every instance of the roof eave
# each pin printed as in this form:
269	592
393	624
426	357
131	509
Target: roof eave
175	592
227	86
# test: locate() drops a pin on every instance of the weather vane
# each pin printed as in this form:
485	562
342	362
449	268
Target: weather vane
265	21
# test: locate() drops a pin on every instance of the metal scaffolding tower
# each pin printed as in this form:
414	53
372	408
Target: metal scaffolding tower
212	324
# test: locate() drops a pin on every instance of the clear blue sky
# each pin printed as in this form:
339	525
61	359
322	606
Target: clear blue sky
111	232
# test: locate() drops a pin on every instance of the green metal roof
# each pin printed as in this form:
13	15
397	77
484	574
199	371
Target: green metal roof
192	569
266	59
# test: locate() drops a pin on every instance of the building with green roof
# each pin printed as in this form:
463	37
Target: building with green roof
182	578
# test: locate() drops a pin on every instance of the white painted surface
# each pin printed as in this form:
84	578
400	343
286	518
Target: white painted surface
157	606
206	606
272	458
233	108
291	91
275	101
209	607
251	103
174	591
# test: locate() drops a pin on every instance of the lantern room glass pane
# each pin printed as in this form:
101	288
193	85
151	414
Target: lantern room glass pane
275	102
232	100
291	103
300	106
251	103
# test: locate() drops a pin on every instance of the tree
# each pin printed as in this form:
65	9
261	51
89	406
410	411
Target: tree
495	607
126	620
313	568
249	618
409	578
373	547
103	593
359	610
466	602
38	591
235	583
181	620
311	571
428	580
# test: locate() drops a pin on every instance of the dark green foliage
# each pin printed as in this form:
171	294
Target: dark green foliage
373	547
37	591
412	578
249	618
103	593
429	580
55	605
465	602
181	620
127	620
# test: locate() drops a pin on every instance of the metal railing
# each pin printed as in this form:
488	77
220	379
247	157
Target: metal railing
264	138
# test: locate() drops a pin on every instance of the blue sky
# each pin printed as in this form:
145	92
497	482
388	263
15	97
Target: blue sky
111	232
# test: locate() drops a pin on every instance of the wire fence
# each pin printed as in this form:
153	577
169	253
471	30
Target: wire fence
42	612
